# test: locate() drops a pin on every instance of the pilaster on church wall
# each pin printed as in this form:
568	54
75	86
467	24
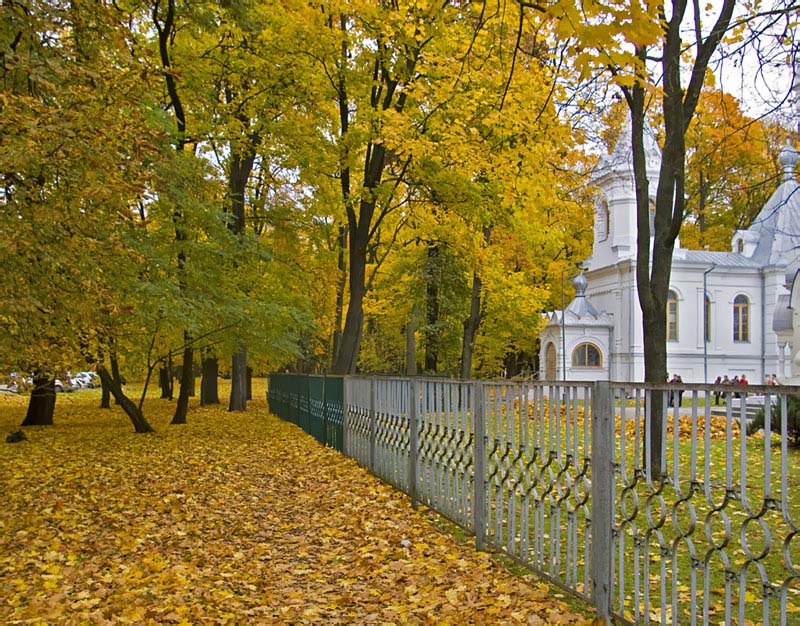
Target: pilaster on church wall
774	282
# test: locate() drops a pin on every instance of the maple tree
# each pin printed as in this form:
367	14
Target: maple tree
76	146
730	170
222	208
421	98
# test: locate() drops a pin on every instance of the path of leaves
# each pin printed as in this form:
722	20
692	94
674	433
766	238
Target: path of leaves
236	518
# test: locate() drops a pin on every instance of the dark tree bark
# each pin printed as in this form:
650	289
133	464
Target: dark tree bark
473	321
42	403
241	165
238	398
165	28
411	342
105	396
209	388
353	325
249	375
165	382
363	223
653	271
432	311
471	325
187	380
340	288
140	424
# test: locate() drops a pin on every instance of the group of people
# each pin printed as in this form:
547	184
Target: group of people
770	379
677	396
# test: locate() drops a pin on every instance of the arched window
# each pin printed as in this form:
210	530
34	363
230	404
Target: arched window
707	319
586	355
741	318
672	316
740	246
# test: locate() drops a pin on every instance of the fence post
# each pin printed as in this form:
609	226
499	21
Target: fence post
324	413
479	463
373	422
602	459
345	419
413	398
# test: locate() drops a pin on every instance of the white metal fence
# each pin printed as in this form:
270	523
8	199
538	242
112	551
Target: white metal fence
562	478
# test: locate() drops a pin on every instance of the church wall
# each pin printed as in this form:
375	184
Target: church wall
613	290
575	335
723	355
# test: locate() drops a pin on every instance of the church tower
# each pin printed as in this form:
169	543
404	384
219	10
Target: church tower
615	207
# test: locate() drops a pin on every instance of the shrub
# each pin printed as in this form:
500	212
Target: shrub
792	421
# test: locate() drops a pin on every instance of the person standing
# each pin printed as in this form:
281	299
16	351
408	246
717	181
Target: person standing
673	394
717	392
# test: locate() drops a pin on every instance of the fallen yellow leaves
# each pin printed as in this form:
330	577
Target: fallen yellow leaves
237	518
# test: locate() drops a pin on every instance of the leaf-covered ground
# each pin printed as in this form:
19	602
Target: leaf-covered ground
236	518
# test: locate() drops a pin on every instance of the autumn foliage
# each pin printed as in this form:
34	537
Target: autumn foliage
238	518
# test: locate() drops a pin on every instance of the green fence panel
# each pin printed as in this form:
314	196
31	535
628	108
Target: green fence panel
314	403
334	410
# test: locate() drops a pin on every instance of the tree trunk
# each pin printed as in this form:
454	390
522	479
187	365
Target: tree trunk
432	317
209	389
471	325
249	373
165	382
701	205
42	403
653	272
411	342
115	376
187	380
105	395
140	424
651	301
238	399
340	287
354	320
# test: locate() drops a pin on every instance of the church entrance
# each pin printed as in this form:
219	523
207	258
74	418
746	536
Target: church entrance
550	362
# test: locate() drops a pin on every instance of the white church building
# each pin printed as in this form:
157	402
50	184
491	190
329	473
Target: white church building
727	312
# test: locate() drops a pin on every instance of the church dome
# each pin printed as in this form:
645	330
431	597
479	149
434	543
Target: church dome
778	223
788	160
580	283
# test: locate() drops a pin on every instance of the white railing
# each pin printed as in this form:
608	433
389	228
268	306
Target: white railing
694	523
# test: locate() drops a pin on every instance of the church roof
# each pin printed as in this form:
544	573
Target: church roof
580	311
621	158
580	305
782	317
778	223
711	257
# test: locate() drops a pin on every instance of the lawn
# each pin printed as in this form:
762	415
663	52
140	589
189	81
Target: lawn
231	518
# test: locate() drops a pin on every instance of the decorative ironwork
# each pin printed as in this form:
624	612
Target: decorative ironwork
563	477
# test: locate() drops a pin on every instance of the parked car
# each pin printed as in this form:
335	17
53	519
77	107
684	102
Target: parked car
87	380
64	384
16	383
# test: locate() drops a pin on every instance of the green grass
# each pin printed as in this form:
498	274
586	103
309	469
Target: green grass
694	515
